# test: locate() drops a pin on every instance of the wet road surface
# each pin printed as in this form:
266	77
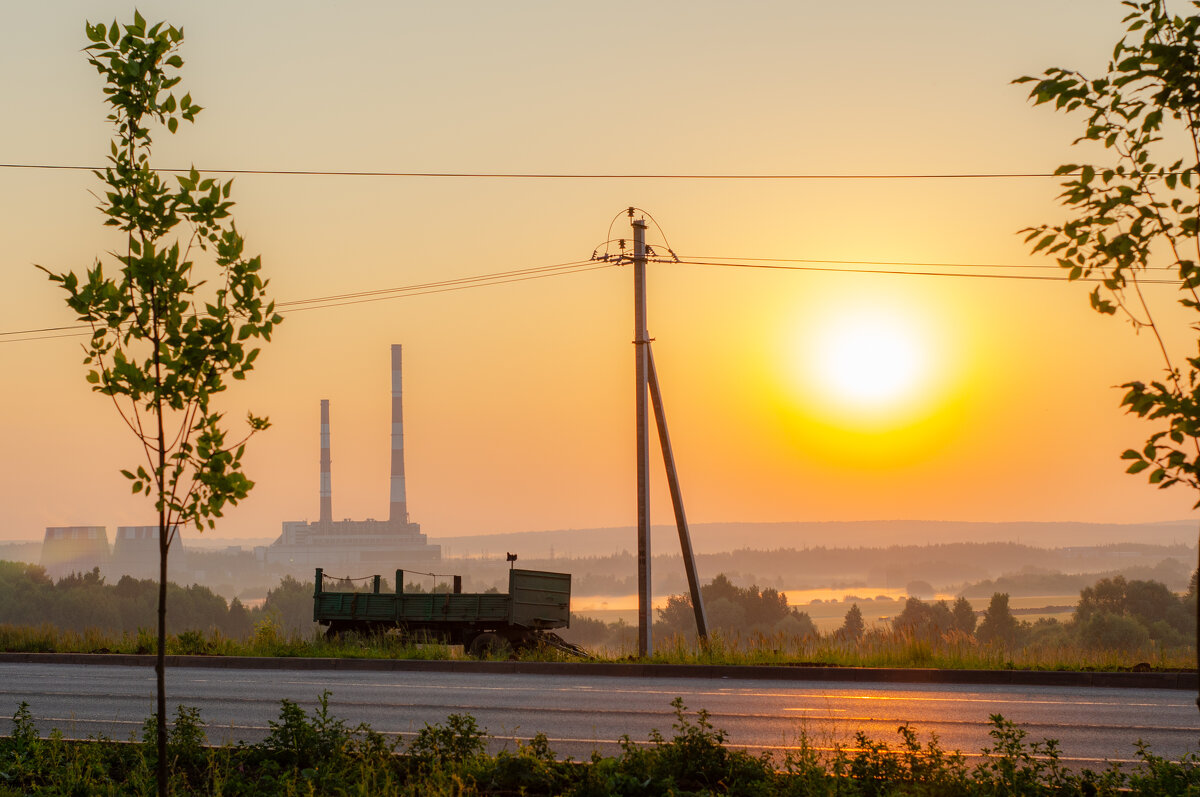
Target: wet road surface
584	713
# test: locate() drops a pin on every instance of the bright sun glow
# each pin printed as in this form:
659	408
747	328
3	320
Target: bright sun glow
869	363
870	359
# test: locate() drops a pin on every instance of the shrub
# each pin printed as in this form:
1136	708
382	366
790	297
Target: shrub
1114	632
457	742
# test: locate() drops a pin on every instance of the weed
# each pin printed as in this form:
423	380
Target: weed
190	643
318	753
300	744
458	741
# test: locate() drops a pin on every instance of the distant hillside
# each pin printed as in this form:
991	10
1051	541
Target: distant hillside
722	537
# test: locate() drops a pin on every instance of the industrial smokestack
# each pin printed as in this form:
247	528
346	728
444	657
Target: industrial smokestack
399	506
326	478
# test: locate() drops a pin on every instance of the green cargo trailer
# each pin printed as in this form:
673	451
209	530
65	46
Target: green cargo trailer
537	602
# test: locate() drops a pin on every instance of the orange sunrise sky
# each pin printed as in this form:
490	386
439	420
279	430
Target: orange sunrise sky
791	394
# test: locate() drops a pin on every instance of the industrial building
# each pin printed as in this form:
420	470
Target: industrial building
135	553
74	549
80	549
373	546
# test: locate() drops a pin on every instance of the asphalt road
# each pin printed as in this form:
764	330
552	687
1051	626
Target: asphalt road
584	713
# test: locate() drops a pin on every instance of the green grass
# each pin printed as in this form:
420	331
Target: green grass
319	753
955	651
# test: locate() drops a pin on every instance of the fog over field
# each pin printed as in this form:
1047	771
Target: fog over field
818	566
718	537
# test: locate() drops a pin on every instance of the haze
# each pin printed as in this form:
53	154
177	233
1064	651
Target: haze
518	397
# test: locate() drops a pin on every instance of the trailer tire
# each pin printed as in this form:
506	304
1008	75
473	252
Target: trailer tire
490	645
340	629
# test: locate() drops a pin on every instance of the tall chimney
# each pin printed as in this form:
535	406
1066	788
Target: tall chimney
399	507
326	479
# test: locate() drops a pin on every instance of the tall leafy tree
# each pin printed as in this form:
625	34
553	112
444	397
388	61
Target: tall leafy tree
999	627
964	616
853	626
165	339
1136	215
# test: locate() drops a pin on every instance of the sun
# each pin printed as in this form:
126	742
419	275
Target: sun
870	359
867	364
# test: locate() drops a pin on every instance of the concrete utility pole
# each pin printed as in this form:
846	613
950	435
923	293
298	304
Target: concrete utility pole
647	377
641	348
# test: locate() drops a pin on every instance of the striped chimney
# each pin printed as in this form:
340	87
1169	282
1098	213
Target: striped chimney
326	478
399	505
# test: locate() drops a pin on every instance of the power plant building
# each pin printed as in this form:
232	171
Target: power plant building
74	549
81	549
377	545
135	553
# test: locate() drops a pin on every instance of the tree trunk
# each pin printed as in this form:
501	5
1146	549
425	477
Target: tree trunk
160	662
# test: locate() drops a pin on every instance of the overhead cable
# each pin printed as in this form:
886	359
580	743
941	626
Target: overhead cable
361	297
569	175
902	273
611	261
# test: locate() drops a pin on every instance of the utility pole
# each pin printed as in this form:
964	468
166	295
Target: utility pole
641	348
681	524
647	379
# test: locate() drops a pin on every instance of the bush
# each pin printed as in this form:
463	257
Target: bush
1114	632
457	742
319	754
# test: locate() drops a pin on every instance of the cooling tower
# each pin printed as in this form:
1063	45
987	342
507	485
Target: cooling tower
74	549
135	553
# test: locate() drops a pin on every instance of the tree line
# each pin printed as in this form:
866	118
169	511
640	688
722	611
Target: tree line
85	601
1114	613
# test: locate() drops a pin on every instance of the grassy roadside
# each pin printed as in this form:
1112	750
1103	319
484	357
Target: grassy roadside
319	753
896	650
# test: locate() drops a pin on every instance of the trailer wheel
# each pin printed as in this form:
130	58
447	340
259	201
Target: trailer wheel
490	645
529	640
340	629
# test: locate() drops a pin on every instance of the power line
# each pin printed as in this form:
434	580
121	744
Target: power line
908	263
895	272
571	175
582	266
361	297
460	281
